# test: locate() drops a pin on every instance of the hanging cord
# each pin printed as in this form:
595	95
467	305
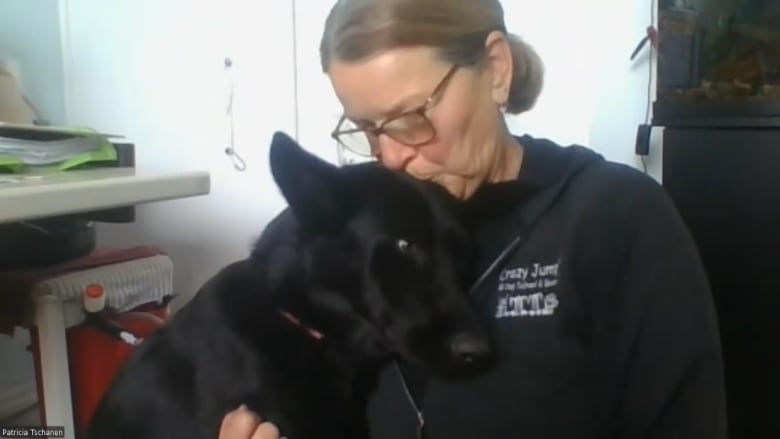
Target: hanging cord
650	65
238	163
650	39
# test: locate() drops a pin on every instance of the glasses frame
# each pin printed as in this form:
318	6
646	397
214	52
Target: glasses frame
419	111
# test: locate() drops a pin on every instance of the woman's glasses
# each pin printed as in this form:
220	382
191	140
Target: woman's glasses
411	128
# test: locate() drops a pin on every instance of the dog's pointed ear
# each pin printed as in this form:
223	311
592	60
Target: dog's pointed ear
316	190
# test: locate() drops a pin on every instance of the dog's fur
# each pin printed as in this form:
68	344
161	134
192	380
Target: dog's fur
366	257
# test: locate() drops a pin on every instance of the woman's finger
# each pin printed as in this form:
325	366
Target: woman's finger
240	424
266	430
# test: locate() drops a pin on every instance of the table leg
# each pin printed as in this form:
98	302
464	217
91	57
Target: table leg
55	373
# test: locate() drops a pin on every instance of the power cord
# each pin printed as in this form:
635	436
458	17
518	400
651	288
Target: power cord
644	130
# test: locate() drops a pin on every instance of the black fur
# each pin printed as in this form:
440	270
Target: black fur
368	257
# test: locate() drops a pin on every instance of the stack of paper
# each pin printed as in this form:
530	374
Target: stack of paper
23	146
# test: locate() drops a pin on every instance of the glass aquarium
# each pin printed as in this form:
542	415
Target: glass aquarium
719	51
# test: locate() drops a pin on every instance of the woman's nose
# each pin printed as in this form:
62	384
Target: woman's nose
393	154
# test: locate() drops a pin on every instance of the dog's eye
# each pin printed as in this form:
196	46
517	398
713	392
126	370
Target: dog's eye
410	251
404	246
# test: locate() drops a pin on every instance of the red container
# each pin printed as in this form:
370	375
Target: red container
95	356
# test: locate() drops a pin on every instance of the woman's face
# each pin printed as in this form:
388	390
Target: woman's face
464	114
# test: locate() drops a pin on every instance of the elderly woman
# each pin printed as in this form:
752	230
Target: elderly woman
600	306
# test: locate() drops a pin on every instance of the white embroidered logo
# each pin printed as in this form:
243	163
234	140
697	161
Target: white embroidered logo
524	291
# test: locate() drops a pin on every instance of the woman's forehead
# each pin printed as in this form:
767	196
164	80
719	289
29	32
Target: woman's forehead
391	82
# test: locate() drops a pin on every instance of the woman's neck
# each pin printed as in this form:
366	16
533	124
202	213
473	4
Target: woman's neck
507	161
501	163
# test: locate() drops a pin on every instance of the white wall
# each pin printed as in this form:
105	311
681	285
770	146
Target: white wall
30	34
156	75
593	94
315	121
621	85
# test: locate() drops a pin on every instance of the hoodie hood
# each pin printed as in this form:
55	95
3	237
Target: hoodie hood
501	215
546	171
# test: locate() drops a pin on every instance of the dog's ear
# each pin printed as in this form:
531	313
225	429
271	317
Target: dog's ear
316	191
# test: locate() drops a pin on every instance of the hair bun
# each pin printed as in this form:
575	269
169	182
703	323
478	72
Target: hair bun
527	77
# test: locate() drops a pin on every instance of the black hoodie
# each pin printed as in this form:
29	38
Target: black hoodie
603	316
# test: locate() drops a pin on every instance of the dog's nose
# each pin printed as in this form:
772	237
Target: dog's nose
467	347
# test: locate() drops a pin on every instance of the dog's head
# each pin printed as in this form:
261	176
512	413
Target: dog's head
386	257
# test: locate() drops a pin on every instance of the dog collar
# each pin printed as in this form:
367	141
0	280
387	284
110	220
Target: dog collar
313	333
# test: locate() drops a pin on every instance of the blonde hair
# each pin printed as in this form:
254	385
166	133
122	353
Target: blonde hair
358	29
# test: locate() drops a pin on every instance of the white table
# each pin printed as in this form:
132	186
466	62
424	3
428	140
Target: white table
27	197
33	196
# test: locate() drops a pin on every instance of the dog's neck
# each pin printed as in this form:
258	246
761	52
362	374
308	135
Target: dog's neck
333	324
322	312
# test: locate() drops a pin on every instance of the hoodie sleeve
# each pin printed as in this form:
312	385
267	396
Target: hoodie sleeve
671	370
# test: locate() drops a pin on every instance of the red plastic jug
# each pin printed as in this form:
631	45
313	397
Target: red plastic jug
99	346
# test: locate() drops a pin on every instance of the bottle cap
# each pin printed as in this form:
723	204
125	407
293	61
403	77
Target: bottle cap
94	298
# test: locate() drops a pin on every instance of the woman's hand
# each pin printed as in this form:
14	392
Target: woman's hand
244	424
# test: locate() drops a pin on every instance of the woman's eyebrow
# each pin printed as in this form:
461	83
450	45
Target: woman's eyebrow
399	107
405	104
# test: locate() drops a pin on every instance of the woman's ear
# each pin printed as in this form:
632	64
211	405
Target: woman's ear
500	65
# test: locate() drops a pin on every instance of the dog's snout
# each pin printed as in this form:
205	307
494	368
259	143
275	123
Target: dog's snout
467	347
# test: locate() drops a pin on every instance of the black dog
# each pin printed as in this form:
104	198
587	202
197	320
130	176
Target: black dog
362	267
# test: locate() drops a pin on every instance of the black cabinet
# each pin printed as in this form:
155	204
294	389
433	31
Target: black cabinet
726	184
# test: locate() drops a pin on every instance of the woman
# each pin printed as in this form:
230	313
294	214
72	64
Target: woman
601	307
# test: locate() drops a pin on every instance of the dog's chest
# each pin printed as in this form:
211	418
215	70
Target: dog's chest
305	393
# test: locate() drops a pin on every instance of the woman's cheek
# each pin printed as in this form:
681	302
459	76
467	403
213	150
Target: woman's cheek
436	153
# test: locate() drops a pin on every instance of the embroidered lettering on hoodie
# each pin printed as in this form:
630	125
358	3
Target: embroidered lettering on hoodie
528	291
